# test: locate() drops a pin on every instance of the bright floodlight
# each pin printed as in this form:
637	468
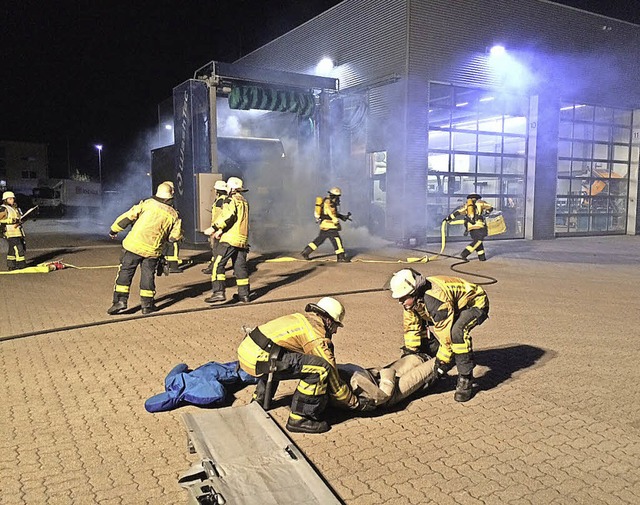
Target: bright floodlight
325	66
497	50
99	147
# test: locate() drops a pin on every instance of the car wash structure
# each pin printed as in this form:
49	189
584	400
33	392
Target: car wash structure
525	102
242	121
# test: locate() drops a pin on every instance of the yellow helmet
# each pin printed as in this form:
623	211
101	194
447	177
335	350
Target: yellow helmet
8	194
220	186
330	307
335	191
235	184
165	190
402	283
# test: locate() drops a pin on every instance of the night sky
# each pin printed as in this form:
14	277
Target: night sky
76	73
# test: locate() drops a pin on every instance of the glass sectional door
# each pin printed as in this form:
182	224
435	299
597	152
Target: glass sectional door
477	144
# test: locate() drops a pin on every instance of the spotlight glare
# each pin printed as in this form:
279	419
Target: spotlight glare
497	50
325	66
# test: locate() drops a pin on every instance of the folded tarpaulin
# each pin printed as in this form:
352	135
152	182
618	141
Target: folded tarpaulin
202	386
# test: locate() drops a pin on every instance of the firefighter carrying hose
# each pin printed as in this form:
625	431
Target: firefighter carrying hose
452	307
474	211
11	221
328	215
220	188
299	346
153	222
231	228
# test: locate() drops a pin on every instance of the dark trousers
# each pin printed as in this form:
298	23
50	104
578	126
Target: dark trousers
310	397
476	244
223	253
461	342
127	270
334	238
16	253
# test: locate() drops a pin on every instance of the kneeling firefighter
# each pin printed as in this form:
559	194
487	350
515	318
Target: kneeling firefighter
452	307
474	211
299	346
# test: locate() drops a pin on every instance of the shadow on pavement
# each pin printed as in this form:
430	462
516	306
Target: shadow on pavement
51	255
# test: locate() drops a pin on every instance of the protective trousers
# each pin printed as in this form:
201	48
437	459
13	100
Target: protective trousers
15	254
128	265
333	236
225	252
461	343
476	245
310	397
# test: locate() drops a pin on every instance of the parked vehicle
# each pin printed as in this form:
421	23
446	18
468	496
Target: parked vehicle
67	195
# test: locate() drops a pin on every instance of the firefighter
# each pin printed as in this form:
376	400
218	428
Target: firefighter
11	221
153	222
474	211
452	307
231	229
221	195
329	218
299	346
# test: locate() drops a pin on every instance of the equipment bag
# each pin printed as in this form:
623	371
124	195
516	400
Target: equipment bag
495	224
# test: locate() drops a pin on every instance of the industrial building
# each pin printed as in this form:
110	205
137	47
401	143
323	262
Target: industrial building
532	104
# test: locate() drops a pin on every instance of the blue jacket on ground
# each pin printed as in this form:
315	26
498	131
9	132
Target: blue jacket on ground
202	386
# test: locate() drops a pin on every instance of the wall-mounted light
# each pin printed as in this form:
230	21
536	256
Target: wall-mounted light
497	50
325	66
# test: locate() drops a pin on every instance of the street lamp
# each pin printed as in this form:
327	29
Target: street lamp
99	148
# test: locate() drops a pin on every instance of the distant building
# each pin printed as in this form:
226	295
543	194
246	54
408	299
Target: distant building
532	104
23	165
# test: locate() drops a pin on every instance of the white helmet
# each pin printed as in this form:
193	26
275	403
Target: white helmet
8	194
335	191
235	184
329	306
220	186
402	283
165	190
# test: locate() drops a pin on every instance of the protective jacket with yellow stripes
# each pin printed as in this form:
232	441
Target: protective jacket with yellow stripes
301	333
216	208
474	213
153	221
234	221
330	217
443	298
10	217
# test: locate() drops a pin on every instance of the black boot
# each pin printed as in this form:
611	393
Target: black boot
464	388
117	307
299	424
343	259
149	309
208	270
306	252
218	296
464	255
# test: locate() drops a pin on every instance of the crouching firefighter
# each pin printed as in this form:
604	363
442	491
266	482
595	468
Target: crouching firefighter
299	346
328	215
452	307
474	211
153	222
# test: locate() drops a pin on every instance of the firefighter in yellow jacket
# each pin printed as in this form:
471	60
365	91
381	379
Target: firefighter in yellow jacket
452	307
329	218
153	222
231	229
474	211
299	346
220	188
11	221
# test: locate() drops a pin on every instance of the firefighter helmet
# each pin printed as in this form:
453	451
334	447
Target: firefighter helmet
335	191
8	194
165	190
220	186
474	196
329	307
235	184
403	283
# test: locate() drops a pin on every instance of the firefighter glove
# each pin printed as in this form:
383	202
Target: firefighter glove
365	404
441	368
113	234
209	231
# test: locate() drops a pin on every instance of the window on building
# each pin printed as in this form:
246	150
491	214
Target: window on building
477	144
594	156
29	174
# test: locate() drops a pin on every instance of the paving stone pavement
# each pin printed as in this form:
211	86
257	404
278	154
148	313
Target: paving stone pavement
556	418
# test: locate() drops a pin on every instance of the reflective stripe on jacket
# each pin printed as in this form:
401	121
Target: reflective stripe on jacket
153	223
234	221
330	216
439	307
482	208
305	334
9	215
